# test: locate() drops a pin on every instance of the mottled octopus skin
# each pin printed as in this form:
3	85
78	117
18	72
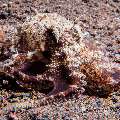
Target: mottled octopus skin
51	48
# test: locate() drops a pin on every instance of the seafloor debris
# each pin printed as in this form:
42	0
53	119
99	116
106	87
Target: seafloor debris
50	55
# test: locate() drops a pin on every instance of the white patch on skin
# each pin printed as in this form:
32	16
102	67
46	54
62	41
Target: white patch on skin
30	54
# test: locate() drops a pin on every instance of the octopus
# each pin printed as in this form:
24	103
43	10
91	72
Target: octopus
49	54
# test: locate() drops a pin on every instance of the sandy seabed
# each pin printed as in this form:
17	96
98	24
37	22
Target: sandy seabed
100	21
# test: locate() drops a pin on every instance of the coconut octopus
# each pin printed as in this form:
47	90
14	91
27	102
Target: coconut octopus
49	52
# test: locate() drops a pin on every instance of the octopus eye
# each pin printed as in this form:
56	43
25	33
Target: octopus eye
50	36
34	68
